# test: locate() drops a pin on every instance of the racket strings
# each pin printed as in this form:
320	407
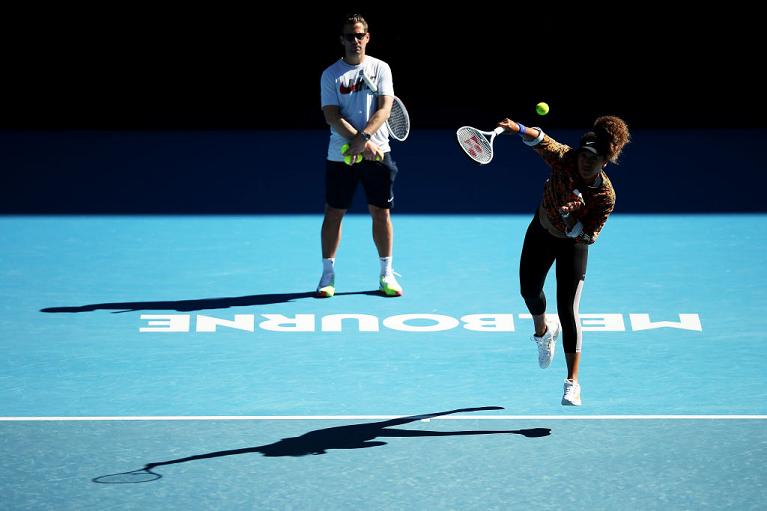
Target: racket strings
475	144
399	121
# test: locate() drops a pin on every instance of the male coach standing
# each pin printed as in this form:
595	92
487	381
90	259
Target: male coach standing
357	117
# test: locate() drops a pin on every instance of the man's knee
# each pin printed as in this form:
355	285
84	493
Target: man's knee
334	214
379	214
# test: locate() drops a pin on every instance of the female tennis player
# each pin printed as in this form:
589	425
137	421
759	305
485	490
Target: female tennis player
577	199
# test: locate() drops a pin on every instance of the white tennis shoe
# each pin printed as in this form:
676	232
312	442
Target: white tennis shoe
572	396
327	286
389	286
547	343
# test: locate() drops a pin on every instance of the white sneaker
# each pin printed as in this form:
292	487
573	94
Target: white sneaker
327	286
389	286
572	395
547	343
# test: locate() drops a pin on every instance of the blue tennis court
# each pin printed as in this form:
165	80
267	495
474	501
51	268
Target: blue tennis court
131	340
160	216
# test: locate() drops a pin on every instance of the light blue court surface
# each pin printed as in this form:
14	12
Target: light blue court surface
672	307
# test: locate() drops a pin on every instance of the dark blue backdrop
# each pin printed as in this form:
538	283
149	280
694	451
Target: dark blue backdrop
253	172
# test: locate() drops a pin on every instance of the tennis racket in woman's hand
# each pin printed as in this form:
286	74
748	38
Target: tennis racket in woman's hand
475	143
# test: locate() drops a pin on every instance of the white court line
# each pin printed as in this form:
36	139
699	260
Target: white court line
385	417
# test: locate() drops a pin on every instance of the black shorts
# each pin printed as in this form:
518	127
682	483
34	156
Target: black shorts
377	179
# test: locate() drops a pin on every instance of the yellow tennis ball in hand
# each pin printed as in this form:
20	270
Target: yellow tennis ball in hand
349	160
542	108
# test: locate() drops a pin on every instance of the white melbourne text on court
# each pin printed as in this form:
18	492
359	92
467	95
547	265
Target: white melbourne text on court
418	323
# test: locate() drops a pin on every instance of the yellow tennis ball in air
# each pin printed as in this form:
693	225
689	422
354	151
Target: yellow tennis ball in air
542	108
349	160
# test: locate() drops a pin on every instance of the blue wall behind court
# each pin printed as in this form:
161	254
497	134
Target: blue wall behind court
260	172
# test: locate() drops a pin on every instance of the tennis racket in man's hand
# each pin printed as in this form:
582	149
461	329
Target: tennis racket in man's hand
475	144
398	122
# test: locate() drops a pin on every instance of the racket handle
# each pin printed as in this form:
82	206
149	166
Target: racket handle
368	82
498	130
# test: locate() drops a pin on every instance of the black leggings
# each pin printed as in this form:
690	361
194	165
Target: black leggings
539	252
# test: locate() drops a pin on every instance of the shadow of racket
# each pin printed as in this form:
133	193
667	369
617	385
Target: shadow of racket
143	475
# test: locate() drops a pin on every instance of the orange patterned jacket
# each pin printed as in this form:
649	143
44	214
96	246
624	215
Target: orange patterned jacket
598	201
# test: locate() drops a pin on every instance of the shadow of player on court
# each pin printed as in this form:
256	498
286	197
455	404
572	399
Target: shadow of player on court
320	441
200	304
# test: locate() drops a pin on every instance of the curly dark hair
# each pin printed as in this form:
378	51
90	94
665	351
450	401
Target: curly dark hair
609	134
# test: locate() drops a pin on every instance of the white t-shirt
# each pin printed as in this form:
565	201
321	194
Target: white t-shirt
342	85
